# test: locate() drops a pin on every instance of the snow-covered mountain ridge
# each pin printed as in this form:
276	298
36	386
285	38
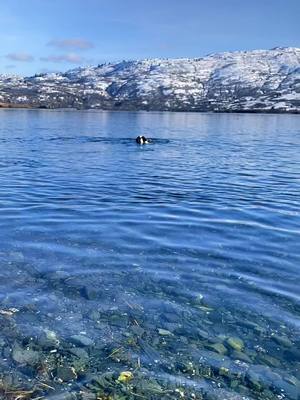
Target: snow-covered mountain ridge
260	80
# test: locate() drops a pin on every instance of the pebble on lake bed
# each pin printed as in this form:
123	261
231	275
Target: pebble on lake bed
25	356
217	347
65	373
81	340
164	332
282	340
235	343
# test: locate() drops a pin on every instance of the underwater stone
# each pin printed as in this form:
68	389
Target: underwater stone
79	352
291	391
66	373
217	347
238	355
203	334
137	330
262	377
164	332
89	293
25	356
81	340
235	343
191	332
48	340
170	317
268	360
94	315
150	386
170	326
282	340
254	380
118	320
250	325
73	285
17	381
105	380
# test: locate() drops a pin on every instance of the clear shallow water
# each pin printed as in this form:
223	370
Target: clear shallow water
177	261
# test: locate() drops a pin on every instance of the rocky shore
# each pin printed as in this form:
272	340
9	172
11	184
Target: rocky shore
99	342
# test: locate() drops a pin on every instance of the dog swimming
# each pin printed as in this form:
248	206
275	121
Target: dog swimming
142	140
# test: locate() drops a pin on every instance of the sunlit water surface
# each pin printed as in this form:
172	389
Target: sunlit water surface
178	261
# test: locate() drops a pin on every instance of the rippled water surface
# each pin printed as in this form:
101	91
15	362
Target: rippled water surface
164	271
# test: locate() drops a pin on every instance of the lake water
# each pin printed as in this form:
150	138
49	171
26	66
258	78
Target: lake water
164	271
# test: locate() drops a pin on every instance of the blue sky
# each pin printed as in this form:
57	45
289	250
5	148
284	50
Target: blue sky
49	35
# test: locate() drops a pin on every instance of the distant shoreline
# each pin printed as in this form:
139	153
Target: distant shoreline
10	106
262	81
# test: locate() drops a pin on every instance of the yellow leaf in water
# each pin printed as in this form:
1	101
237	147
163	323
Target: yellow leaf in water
125	376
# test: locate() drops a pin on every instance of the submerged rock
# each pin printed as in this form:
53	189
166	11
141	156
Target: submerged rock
89	293
25	356
105	380
94	315
79	352
238	355
170	317
261	378
268	360
66	373
255	380
282	340
235	343
149	387
81	340
164	332
137	330
290	390
217	347
48	340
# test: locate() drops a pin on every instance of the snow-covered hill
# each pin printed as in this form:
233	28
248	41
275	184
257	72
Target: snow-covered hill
261	80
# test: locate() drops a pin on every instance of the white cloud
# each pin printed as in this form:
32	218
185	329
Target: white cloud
23	57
